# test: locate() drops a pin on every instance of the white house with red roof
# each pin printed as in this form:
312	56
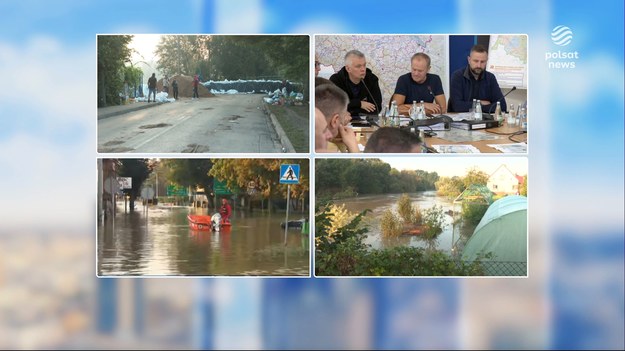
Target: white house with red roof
503	181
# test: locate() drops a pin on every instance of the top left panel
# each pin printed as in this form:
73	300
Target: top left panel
203	93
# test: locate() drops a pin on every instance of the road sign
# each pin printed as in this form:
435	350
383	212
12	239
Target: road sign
221	188
147	193
125	182
289	174
173	190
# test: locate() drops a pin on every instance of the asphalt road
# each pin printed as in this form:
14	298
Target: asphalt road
219	124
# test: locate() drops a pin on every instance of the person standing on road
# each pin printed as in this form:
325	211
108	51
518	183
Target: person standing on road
166	84
152	86
174	86
196	83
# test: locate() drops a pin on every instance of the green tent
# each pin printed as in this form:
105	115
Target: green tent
502	231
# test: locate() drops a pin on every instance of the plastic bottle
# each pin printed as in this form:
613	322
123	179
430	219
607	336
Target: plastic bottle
394	114
414	110
422	110
478	110
473	107
498	116
523	119
511	116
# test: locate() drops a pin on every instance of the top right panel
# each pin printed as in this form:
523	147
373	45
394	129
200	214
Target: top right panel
446	93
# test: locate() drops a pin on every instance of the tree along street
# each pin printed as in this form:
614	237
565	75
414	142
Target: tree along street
219	124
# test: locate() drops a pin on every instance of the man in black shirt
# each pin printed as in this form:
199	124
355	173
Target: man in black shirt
360	84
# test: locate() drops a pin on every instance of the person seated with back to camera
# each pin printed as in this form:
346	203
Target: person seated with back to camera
332	102
322	132
420	85
393	140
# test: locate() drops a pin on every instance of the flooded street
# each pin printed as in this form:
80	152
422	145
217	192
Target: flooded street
160	242
426	199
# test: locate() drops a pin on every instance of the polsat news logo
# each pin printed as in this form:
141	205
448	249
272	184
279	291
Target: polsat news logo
561	36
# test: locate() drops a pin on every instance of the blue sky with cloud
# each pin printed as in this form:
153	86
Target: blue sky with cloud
48	125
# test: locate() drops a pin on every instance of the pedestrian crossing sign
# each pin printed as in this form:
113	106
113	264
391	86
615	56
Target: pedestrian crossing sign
289	174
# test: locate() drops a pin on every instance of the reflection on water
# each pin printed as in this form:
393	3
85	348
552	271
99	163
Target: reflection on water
159	242
425	199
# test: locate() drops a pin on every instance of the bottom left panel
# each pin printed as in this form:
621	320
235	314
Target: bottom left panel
203	217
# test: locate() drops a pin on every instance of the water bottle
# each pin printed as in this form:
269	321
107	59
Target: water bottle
498	116
511	116
473	107
394	115
523	118
421	110
382	117
478	111
414	111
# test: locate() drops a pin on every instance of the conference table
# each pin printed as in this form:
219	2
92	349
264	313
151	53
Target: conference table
503	139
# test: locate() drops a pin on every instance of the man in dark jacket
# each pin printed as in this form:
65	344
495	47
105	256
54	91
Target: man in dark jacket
152	87
474	82
360	84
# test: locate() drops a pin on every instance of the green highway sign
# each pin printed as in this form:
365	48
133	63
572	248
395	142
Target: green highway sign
175	190
221	188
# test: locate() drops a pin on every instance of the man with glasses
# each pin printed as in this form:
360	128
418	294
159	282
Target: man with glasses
360	84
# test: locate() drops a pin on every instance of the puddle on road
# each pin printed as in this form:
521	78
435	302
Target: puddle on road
114	142
195	148
150	126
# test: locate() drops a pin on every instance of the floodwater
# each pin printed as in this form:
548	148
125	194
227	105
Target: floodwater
451	240
160	242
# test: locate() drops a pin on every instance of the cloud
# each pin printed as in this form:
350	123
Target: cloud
59	79
248	16
601	73
46	186
327	24
46	162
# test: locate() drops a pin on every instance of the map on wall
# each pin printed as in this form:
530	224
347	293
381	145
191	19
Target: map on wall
388	56
507	60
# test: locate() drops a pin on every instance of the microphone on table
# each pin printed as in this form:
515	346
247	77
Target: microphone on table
377	108
490	110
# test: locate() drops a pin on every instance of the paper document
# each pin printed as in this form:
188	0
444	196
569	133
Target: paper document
518	148
456	149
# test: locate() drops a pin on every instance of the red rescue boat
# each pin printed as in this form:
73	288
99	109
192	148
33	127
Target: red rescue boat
203	222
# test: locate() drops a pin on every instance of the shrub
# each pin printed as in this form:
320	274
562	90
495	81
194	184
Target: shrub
473	212
390	224
404	208
417	217
434	220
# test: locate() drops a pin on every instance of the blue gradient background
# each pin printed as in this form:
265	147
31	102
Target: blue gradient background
573	297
